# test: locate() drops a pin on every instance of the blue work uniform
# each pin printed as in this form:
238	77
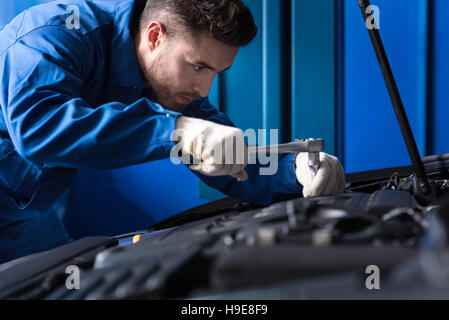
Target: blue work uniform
73	97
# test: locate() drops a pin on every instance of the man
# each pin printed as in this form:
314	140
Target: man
106	89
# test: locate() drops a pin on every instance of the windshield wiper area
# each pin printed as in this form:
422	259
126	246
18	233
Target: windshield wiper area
208	210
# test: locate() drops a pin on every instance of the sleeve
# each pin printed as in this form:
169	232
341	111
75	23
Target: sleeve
42	82
260	189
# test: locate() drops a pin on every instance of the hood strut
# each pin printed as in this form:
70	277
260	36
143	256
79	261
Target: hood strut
422	189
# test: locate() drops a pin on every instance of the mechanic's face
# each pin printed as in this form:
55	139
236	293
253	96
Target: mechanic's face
181	70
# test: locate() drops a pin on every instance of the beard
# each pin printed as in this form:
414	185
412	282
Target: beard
158	81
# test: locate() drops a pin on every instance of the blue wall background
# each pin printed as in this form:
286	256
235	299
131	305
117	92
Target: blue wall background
311	71
372	137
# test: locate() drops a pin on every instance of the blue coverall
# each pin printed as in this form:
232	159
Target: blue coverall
75	99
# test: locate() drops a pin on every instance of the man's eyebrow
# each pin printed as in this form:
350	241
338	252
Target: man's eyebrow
205	65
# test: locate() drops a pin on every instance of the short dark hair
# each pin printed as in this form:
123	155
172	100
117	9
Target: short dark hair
228	21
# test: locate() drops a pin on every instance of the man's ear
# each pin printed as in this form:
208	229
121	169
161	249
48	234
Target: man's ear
155	34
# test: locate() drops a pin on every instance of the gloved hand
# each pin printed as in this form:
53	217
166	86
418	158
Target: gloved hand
221	149
329	180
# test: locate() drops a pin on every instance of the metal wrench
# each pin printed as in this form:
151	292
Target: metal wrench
312	146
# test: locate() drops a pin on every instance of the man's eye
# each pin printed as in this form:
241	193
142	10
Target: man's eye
198	68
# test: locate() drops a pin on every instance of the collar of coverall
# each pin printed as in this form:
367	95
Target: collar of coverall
125	70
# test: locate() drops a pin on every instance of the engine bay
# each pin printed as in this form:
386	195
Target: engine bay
298	249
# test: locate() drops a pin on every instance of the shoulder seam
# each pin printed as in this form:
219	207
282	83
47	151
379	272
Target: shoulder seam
21	22
41	27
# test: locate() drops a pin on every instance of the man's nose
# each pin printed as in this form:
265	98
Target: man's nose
203	87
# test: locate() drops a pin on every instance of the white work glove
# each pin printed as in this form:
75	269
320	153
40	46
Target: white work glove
329	180
221	149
